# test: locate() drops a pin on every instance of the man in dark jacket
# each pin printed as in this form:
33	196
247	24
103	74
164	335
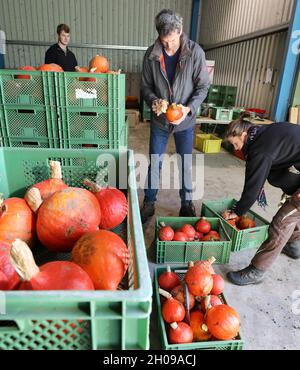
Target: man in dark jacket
272	153
59	53
174	71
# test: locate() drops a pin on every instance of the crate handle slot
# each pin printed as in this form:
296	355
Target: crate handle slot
30	143
94	114
254	231
15	326
26	111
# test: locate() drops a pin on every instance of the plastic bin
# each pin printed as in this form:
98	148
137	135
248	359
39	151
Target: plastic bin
106	91
34	124
243	239
234	344
222	114
79	319
208	143
183	252
37	88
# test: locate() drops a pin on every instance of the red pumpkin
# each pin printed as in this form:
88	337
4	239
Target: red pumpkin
210	238
180	333
58	275
218	286
207	265
172	311
9	279
203	226
41	191
50	68
199	281
246	223
180	237
25	68
174	113
210	301
65	217
113	205
82	70
178	293
99	64
198	236
166	233
104	256
215	234
223	322
200	330
189	231
16	220
168	280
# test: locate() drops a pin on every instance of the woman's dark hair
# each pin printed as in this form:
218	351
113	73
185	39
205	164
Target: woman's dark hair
62	27
237	127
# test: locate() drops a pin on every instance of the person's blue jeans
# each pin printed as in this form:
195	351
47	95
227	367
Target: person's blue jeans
184	147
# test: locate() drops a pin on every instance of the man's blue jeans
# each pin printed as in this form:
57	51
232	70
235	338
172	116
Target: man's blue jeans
184	147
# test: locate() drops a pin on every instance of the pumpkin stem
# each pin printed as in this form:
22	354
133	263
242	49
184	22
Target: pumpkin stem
211	260
33	199
191	264
95	188
165	294
2	206
162	224
174	325
22	260
168	269
207	303
55	170
93	70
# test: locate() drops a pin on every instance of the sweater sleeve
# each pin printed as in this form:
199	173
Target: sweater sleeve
257	170
201	81
147	86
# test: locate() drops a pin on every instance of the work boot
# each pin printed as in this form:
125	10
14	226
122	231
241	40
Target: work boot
147	211
292	249
247	276
187	210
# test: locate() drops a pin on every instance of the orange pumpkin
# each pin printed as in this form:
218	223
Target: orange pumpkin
82	70
50	68
65	217
16	220
200	330
223	322
104	256
25	68
99	64
174	113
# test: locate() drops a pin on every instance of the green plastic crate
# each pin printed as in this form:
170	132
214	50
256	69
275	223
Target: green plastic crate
183	252
35	124
234	344
243	239
222	114
38	90
108	90
208	143
79	319
99	127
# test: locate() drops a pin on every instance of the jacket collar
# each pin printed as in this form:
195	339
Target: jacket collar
158	49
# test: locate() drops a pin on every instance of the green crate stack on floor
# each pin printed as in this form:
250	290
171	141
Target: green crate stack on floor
28	115
91	111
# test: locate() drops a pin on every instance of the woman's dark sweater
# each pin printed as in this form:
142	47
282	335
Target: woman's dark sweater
270	156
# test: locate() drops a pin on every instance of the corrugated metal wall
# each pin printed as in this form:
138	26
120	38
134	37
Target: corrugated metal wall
227	19
245	64
105	22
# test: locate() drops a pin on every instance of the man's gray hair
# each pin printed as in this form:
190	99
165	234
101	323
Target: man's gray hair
167	22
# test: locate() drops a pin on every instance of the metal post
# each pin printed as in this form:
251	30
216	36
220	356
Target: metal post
2	48
289	70
194	20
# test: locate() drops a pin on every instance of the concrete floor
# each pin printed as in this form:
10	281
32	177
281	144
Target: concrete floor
266	312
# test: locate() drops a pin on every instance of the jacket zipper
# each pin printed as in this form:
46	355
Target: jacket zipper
166	79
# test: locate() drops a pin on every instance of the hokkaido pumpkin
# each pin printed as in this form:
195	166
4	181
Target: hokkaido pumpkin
200	329
223	322
65	217
180	333
16	220
58	275
9	279
113	205
82	70
50	68
99	64
41	191
172	310
104	256
25	68
168	280
174	113
199	281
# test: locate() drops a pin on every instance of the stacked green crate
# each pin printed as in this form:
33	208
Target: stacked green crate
228	96
91	111
28	116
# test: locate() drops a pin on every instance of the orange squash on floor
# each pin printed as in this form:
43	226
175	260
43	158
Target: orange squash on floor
16	220
104	256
